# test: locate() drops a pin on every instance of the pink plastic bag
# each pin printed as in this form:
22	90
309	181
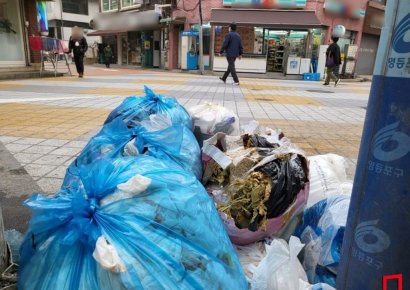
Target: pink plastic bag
243	237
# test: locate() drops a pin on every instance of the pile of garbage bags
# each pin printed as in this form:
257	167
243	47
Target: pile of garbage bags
160	196
132	213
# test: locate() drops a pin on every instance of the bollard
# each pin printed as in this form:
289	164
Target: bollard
376	247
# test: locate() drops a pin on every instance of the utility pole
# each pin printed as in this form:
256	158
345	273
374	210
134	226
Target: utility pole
201	40
375	252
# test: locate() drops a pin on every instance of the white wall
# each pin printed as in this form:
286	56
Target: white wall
54	13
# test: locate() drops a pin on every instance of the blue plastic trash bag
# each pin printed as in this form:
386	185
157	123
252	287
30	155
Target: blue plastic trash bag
175	143
135	109
108	143
135	224
322	232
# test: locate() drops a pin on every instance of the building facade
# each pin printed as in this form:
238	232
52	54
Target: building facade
372	28
270	33
134	31
62	15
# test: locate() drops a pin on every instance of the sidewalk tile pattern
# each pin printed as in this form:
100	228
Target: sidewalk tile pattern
45	123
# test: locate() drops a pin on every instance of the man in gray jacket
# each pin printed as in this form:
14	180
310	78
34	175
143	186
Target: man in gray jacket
232	45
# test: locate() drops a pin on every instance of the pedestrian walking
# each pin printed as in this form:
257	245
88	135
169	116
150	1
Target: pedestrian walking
108	55
232	45
78	46
333	61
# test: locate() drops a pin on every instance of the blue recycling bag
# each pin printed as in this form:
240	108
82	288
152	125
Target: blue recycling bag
322	232
135	223
176	144
108	143
135	109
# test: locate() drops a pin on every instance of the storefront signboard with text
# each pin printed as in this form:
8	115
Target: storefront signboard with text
268	4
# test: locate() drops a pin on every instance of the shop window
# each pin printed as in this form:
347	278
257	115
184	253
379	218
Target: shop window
318	36
130	3
247	35
75	6
109	5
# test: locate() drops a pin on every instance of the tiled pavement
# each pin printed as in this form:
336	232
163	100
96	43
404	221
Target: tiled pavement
44	123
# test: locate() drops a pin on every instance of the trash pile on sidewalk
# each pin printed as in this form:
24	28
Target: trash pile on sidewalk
132	213
144	206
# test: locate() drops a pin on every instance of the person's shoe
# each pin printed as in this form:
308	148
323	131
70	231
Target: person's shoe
326	84
222	80
80	75
337	82
236	83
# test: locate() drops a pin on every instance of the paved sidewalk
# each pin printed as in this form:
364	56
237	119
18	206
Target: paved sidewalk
44	123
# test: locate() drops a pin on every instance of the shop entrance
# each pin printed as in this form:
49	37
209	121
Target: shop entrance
282	46
147	49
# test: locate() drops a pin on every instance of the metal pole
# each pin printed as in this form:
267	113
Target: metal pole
62	19
375	253
201	40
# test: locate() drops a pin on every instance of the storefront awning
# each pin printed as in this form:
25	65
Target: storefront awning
106	32
292	19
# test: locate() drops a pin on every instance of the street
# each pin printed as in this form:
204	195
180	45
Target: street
44	123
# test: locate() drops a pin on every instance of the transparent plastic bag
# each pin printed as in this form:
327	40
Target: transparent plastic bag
213	118
327	177
322	231
280	269
136	109
168	236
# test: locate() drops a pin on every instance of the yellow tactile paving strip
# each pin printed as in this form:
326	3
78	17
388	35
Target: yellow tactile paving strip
44	121
119	92
61	79
10	86
360	91
261	80
175	75
294	100
320	137
262	87
160	82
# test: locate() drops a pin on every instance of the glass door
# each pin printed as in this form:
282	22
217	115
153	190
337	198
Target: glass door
11	34
274	47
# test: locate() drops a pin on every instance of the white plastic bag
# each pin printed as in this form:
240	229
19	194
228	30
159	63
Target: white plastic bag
250	256
213	118
319	286
129	189
280	269
106	255
327	177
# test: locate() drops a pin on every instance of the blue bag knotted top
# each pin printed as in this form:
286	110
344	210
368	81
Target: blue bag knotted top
167	233
135	109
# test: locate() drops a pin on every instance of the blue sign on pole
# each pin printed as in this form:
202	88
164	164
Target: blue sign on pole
190	33
376	247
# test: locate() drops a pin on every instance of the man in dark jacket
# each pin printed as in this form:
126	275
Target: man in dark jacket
333	61
232	45
78	46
